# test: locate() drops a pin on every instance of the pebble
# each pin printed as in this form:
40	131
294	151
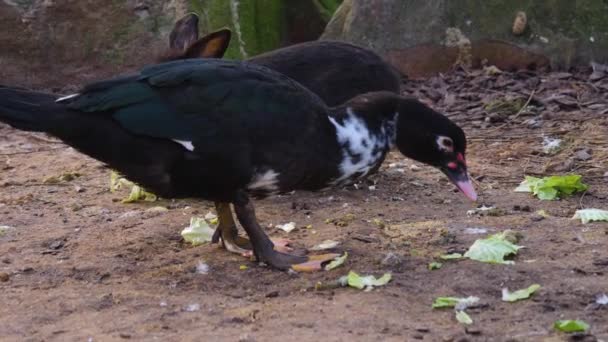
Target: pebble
582	154
392	259
4	277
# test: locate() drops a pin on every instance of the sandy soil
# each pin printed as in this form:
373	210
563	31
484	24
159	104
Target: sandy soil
78	265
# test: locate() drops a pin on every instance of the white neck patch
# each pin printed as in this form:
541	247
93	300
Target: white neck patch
361	149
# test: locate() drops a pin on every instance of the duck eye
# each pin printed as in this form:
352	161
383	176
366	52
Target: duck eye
445	144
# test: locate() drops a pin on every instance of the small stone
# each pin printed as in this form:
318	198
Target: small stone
472	331
272	294
392	259
125	336
57	244
582	154
4	277
537	218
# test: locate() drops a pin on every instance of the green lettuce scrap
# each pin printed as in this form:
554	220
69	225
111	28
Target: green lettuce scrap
553	187
589	215
494	248
137	193
569	325
198	232
463	317
364	282
446	302
452	256
454	302
519	294
459	305
337	262
434	265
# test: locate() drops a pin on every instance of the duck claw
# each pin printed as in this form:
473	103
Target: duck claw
314	263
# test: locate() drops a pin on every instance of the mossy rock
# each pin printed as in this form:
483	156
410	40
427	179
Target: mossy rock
560	33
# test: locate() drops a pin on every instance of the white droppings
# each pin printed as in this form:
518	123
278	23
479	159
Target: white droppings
287	227
202	268
266	181
361	148
551	145
602	299
187	144
475	230
67	97
543	39
592	39
193	307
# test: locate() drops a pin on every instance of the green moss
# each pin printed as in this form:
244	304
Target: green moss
259	28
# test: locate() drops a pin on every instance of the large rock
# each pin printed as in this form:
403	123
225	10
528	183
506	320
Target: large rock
48	42
45	43
422	37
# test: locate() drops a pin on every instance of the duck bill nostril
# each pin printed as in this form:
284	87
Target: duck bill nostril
461	179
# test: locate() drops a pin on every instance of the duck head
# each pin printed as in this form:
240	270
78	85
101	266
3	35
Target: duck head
429	137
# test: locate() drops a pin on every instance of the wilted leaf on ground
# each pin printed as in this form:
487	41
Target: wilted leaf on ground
451	256
550	188
198	232
4	229
337	262
117	181
459	305
570	325
454	302
139	194
64	177
519	294
211	218
445	302
589	215
435	265
364	282
463	317
494	248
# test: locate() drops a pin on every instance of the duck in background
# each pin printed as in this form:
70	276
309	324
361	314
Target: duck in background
225	130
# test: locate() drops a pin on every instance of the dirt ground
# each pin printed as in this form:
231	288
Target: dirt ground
78	265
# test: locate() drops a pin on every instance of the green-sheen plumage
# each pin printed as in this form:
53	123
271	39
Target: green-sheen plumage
179	99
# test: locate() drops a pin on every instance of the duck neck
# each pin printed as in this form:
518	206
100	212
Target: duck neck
364	141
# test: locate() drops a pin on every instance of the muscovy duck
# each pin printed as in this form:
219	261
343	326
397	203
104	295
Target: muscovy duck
335	71
224	131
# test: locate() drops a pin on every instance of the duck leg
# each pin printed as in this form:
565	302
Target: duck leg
228	233
263	247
